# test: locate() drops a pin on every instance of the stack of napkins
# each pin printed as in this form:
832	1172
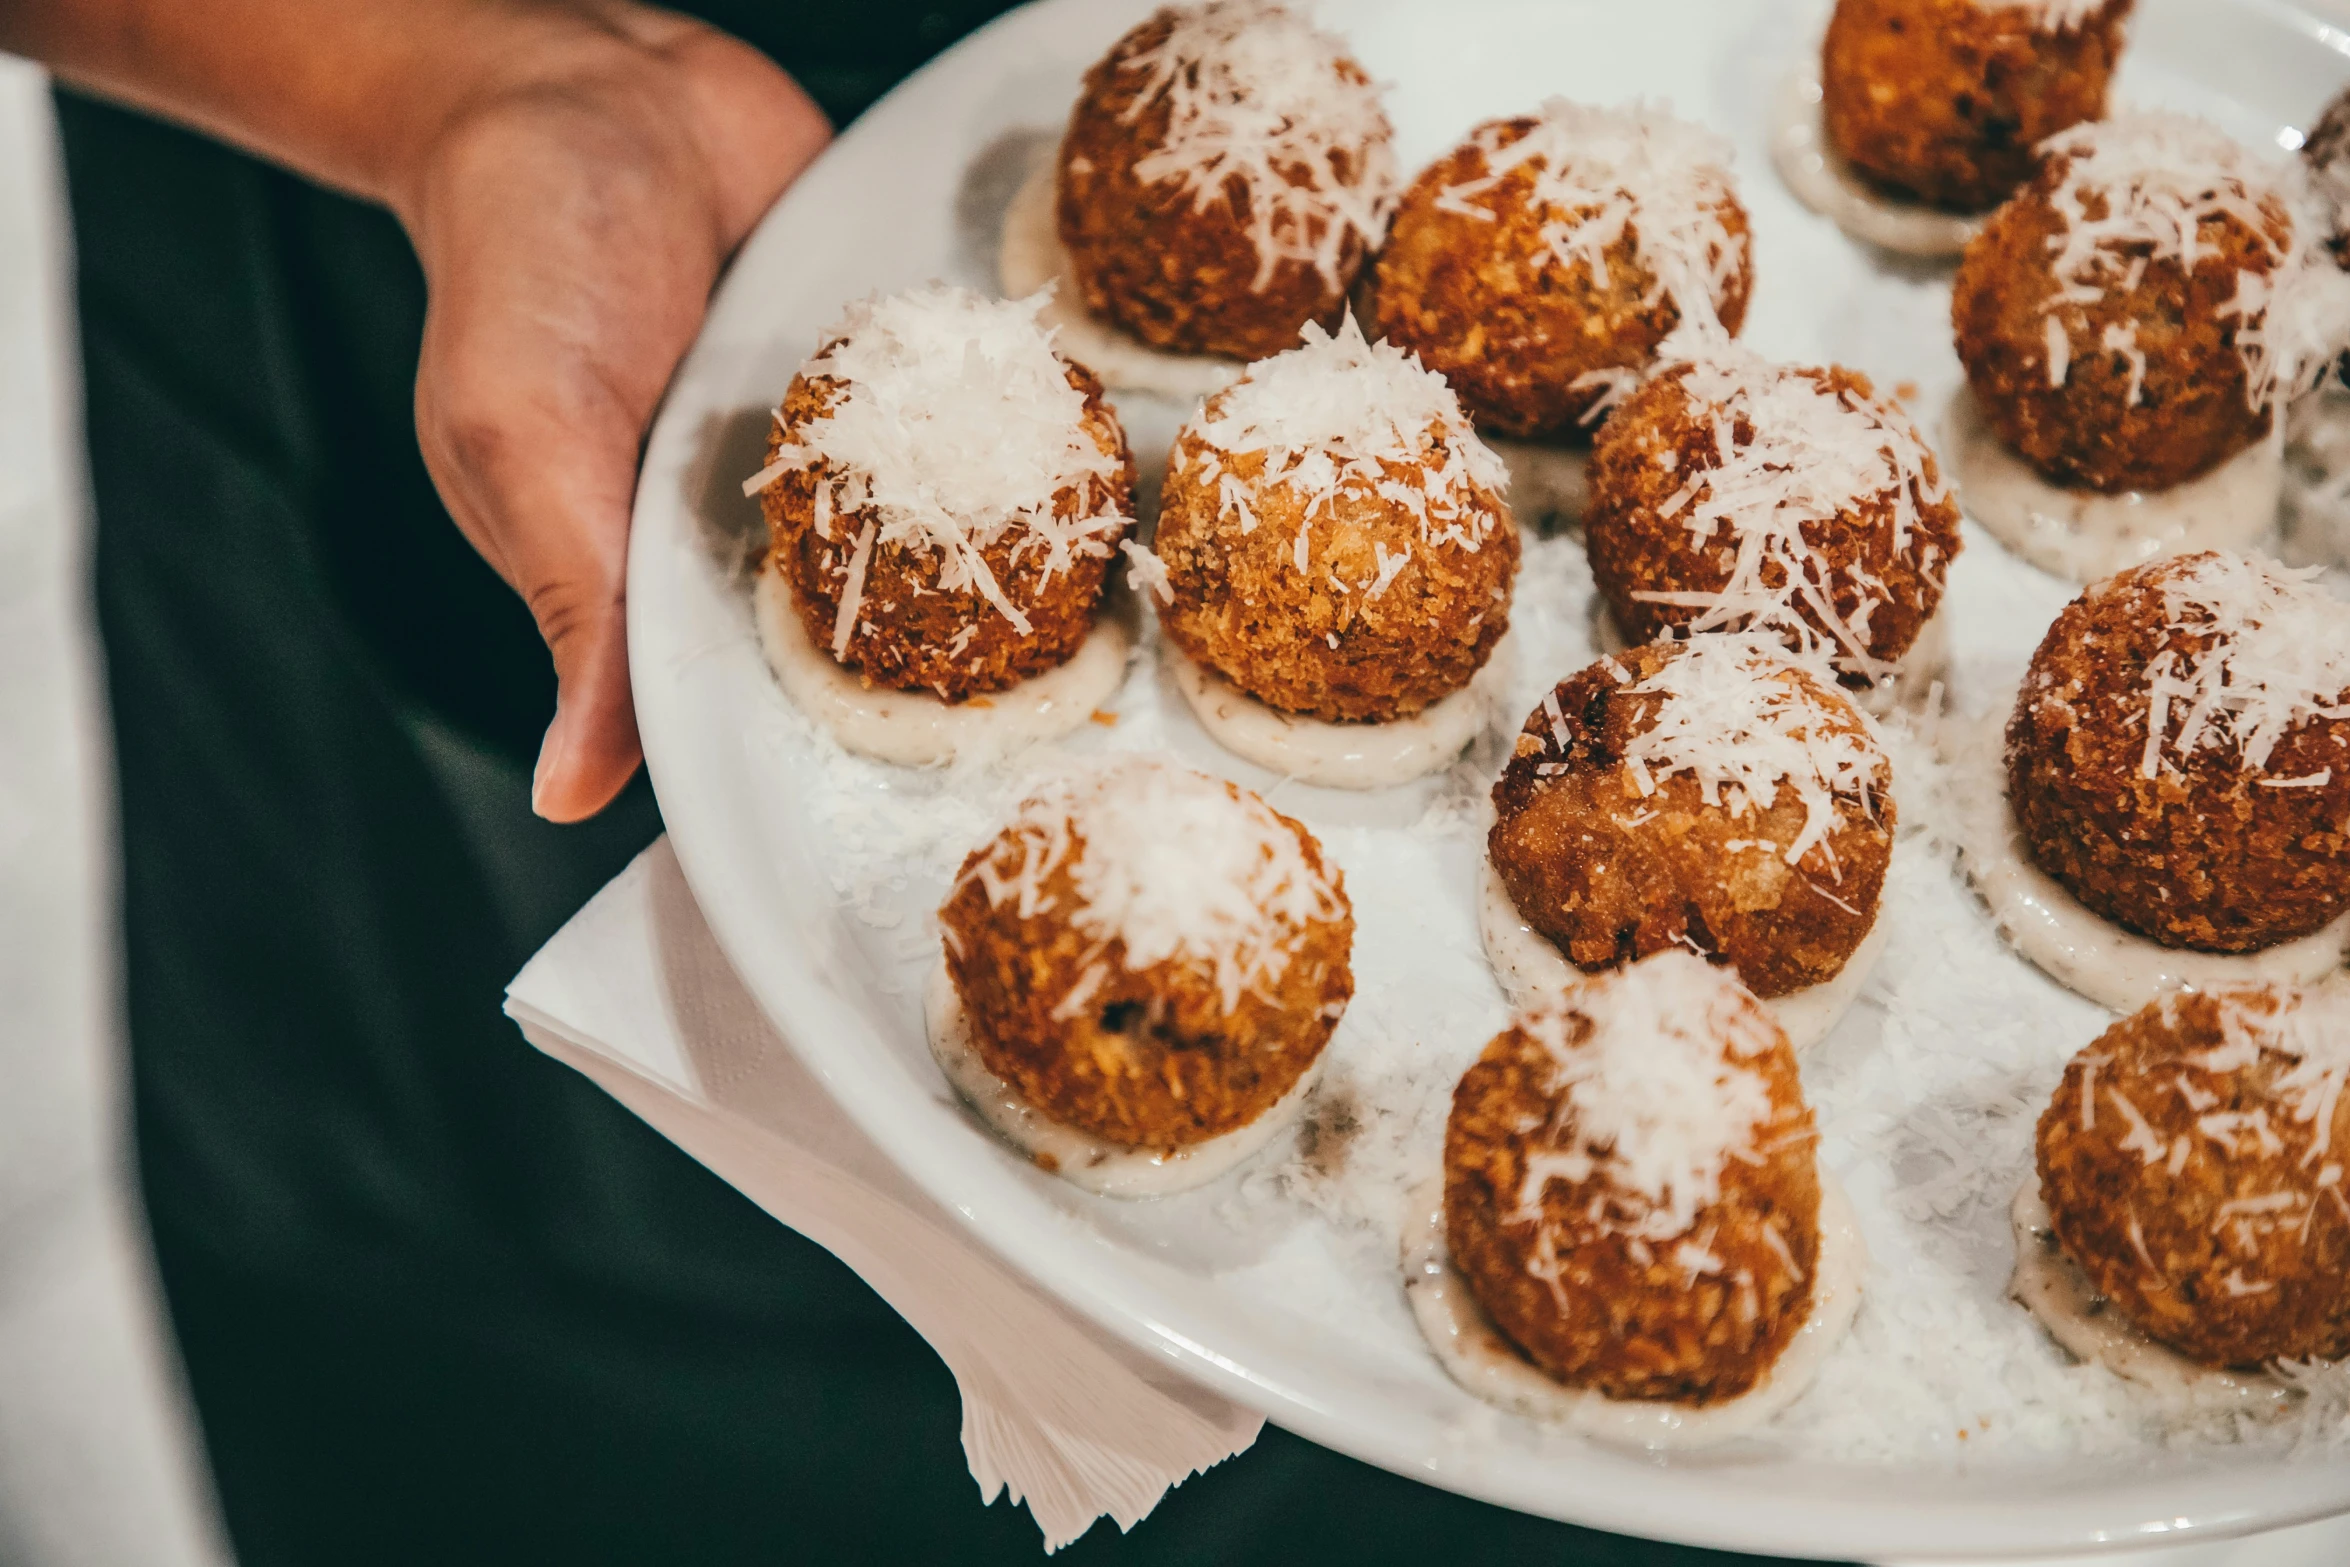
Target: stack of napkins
634	993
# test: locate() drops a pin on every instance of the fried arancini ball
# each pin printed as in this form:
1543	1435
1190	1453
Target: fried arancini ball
1150	955
2192	1164
2236	844
1334	535
1617	834
1524	287
2109	363
1945	101
1630	1189
897	545
1825	498
1224	176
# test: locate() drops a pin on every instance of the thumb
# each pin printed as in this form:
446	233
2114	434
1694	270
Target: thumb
591	750
547	504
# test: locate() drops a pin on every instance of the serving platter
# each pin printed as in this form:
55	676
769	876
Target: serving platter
1948	1426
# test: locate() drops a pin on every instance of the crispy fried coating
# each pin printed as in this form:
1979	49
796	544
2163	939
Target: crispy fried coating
2236	1251
1610	874
1328	642
1486	304
1944	101
1148	257
1151	1058
2201	855
911	634
1661	439
1627	1319
2191	410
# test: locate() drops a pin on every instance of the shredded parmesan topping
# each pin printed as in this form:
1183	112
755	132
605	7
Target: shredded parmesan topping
1342	416
953	424
2275	657
2302	1038
1603	173
2140	188
2050	16
1169	866
1738	716
1655	1069
1260	104
1790	452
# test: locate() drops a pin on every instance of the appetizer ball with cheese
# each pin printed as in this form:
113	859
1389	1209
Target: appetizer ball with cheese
1149	955
1730	493
1630	1188
1943	102
1546	257
2179	754
1224	175
2191	1163
1333	535
1709	795
2138	313
945	494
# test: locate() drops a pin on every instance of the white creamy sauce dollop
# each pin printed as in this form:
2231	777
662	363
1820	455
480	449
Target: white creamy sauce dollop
1824	182
1475	1355
1341	755
2084	535
1080	1158
1029	256
918	728
2113	967
1528	963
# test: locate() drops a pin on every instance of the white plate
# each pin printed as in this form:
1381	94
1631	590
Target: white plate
1214	1283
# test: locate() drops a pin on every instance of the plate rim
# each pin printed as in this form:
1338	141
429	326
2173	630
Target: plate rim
1611	1490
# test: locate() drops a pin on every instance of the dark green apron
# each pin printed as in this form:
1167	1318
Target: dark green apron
440	1300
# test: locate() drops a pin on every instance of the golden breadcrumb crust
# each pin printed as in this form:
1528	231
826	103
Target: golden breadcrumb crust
911	634
2159	1238
1149	258
1610	874
2200	855
1322	642
1627	1319
1944	101
1486	304
1644	460
2192	412
1151	1059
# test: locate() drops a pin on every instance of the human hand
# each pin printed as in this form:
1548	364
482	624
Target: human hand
572	214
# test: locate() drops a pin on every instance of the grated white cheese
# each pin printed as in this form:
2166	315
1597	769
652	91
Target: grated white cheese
953	424
1170	866
1260	104
1789	452
1740	717
1339	415
2311	1029
2050	16
1602	173
2276	657
2139	188
1654	1065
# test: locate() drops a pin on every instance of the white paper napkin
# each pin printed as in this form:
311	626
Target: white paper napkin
635	994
